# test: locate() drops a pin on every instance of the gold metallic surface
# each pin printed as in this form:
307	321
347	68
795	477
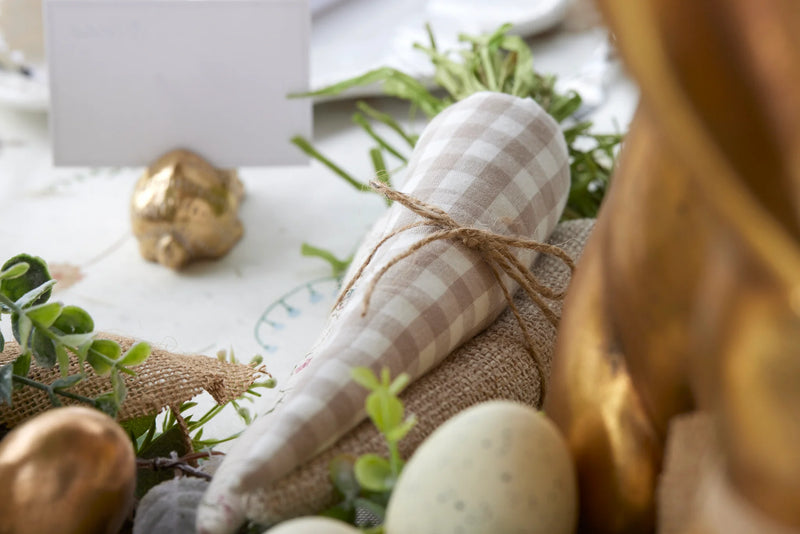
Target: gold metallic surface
616	451
183	210
692	278
654	257
69	470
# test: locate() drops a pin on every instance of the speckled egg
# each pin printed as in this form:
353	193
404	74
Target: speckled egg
496	467
313	525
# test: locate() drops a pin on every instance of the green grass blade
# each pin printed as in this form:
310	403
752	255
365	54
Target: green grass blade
309	149
362	121
386	119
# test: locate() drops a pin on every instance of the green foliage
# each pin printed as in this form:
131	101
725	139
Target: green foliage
494	62
366	483
47	332
24	273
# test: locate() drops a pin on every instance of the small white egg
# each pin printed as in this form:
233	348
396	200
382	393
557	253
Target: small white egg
313	525
499	466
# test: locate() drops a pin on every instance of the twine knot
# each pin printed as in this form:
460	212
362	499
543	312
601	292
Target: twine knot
495	250
472	238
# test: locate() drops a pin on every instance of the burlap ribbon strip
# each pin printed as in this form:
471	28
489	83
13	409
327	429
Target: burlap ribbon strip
164	379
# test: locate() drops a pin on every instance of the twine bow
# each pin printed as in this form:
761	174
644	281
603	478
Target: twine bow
495	249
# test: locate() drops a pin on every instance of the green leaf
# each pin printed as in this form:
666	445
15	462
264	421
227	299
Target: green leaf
36	275
66	382
399	383
135	355
385	411
374	473
244	414
2	342
366	378
77	340
14	271
386	377
43	348
83	349
564	106
74	320
45	314
400	431
138	426
120	390
22	364
21	327
187	406
37	295
102	354
62	357
6	383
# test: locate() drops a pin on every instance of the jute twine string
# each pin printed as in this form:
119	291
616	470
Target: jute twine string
495	249
185	436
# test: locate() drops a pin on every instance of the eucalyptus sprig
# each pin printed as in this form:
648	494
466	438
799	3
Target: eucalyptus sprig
47	332
493	62
366	483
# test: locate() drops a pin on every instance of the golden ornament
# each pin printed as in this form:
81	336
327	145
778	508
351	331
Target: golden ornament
183	209
69	470
688	294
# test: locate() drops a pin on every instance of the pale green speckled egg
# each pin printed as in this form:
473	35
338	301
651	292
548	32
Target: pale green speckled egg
498	467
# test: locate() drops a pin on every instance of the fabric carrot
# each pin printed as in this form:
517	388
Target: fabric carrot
492	162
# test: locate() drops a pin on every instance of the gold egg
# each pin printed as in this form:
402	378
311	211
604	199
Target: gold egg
69	470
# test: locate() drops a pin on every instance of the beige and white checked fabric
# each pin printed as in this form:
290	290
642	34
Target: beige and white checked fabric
491	161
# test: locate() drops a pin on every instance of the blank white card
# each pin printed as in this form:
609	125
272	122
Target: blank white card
133	79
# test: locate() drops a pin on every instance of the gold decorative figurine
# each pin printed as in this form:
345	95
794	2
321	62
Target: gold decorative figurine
688	294
183	209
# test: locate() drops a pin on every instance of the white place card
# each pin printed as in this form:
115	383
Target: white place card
133	79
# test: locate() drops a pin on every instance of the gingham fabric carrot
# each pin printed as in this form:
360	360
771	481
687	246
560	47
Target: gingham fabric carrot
493	162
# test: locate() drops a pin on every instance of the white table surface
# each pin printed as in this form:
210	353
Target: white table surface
80	218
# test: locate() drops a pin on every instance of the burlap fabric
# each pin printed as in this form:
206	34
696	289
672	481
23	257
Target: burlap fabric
492	365
164	379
